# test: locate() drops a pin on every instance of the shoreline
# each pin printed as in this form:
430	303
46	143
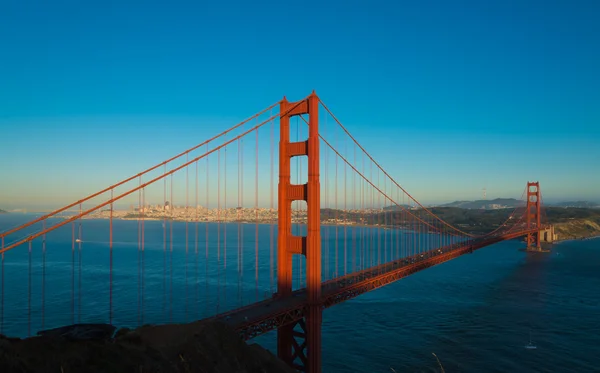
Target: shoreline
575	230
262	222
587	238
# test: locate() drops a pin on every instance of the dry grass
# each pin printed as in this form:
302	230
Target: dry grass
577	228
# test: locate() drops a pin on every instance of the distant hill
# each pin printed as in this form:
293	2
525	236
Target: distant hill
503	203
396	207
2	211
579	204
494	204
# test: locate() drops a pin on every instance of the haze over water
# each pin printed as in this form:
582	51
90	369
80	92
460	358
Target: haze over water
476	313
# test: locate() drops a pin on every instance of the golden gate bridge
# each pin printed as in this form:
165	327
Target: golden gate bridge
340	226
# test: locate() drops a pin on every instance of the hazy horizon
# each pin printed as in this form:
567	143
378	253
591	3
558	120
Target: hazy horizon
123	206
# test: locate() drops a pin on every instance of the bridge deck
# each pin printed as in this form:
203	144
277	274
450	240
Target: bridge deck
262	317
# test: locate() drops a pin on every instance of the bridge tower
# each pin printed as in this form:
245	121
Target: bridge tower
533	216
300	349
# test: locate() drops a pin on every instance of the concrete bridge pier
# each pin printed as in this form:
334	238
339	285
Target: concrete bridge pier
543	236
548	235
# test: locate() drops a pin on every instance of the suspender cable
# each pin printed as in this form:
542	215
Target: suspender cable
402	231
362	217
298	166
256	225
29	295
172	215
110	259
73	272
337	217
371	229
2	293
197	290
397	226
225	214
239	223
326	201
354	212
345	224
139	251
43	276
242	230
385	222
218	230
139	254
143	254
206	290
379	210
299	206
164	226
271	247
187	196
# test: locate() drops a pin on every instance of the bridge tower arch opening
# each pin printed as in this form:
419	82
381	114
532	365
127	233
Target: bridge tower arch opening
299	343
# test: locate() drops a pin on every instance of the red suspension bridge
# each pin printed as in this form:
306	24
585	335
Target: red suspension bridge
210	240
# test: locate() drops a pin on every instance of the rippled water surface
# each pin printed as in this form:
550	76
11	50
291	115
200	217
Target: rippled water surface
476	313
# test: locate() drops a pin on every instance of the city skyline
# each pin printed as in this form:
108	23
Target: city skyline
86	105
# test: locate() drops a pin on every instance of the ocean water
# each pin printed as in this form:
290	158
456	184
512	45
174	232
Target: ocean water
476	313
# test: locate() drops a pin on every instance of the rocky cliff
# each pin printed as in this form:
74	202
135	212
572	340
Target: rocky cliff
577	228
196	347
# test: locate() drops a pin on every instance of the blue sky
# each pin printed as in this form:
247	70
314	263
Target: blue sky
449	96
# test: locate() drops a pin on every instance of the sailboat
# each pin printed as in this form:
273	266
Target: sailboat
530	346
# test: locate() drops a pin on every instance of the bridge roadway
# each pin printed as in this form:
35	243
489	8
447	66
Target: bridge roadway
259	318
